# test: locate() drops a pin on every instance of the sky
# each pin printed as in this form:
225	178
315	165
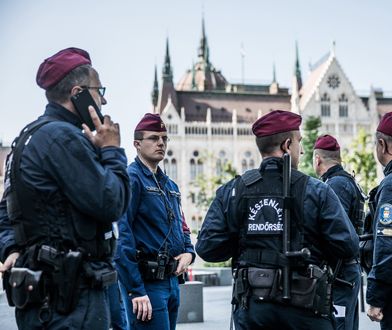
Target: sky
127	38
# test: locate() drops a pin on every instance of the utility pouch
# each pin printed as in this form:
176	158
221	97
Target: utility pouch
100	278
24	287
149	270
263	281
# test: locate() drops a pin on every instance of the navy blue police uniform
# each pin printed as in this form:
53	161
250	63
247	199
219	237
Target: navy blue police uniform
379	289
152	231
57	211
244	222
345	297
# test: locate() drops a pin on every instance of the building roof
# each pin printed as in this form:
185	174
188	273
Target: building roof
248	106
203	76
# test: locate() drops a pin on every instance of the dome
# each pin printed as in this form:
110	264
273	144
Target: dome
202	77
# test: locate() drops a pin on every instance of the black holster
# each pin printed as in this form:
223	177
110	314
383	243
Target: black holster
67	282
241	290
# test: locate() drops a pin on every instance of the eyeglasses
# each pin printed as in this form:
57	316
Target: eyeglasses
156	138
101	90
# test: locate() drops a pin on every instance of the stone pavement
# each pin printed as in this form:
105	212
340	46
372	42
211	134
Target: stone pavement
216	312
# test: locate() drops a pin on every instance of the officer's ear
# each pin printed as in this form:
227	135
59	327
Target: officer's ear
285	146
76	90
317	159
383	145
136	144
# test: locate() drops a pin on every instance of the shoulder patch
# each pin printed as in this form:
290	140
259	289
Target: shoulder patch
385	214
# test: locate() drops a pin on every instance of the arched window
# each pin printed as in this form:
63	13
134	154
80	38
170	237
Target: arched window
221	162
173	166
199	168
244	165
196	165
343	106
170	165
247	162
192	164
325	106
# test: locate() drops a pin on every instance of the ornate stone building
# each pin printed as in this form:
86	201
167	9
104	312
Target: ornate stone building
209	119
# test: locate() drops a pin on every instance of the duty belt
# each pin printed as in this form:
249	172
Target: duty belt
151	270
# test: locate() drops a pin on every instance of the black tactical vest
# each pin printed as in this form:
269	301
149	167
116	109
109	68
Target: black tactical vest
260	205
357	210
49	218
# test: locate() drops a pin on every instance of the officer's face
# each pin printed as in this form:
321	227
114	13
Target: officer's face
296	149
96	82
152	147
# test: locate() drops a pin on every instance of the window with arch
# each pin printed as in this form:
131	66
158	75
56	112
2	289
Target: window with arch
247	162
170	165
220	162
343	106
196	165
325	106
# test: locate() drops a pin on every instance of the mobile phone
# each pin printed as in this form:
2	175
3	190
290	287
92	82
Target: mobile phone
82	101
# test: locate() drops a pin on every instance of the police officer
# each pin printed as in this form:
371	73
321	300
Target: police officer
154	246
327	165
245	222
64	186
379	289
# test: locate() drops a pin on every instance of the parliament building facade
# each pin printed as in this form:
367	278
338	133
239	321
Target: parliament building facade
209	119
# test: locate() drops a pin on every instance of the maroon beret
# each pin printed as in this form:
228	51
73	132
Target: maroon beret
56	67
385	125
277	121
326	142
151	122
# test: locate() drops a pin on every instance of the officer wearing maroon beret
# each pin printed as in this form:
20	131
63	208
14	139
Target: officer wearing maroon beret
379	289
327	165
63	189
245	223
154	247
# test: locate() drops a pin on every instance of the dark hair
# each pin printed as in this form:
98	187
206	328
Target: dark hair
386	138
330	156
81	76
271	143
138	135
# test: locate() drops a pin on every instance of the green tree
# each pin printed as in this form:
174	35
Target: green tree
206	186
360	160
310	133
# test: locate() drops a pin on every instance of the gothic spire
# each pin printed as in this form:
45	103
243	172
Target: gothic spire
297	68
167	73
203	52
155	89
273	73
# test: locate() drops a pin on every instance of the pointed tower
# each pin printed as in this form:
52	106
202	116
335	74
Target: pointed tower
167	91
203	51
297	69
155	91
203	76
274	87
167	73
296	83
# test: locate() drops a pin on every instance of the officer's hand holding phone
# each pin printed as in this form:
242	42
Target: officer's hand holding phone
107	133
